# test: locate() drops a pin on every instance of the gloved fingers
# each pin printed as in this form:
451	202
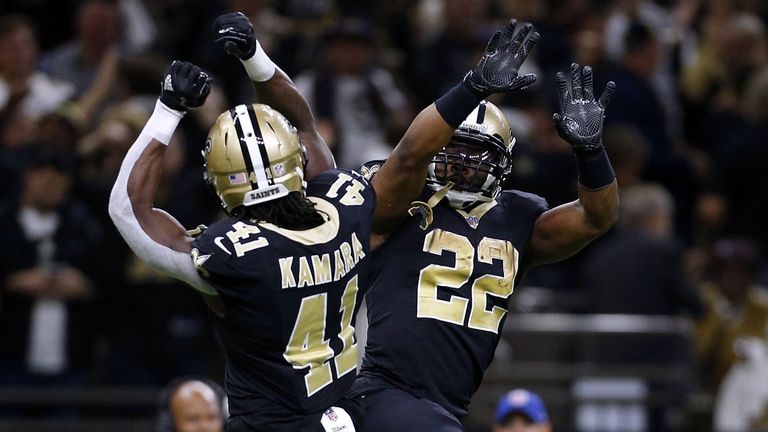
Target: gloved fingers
562	90
557	119
529	43
576	81
233	35
605	98
523	81
493	44
588	82
517	41
232	48
508	33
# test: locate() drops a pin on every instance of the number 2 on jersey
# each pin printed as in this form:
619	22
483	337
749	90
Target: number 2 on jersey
454	310
308	347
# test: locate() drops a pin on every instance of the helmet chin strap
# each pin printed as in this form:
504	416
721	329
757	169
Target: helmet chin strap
424	209
461	200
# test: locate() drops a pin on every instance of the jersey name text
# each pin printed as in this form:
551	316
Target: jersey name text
304	271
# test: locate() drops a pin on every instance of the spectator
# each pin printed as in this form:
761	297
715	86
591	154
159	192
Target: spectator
360	110
192	405
628	151
736	308
733	47
99	28
638	269
638	102
47	314
521	411
450	48
740	164
26	94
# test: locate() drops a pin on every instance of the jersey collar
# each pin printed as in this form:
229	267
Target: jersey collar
318	235
473	216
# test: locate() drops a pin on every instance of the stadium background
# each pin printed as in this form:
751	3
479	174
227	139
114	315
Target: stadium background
635	333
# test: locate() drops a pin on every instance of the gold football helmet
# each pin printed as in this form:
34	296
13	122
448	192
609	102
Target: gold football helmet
477	160
253	155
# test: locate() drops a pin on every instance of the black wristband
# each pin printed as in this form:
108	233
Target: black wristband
595	170
456	104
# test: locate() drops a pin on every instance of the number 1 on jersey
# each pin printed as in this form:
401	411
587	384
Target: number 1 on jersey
352	195
307	346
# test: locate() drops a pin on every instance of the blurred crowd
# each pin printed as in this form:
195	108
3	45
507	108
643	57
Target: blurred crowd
686	133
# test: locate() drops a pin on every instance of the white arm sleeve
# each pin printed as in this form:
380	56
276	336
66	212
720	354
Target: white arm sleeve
176	264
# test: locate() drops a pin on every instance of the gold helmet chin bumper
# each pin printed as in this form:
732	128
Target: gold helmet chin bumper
253	155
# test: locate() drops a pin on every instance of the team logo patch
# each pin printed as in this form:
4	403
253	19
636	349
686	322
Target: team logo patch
473	221
368	172
238	179
279	170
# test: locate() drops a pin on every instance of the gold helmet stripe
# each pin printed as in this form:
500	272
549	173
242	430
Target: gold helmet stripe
252	142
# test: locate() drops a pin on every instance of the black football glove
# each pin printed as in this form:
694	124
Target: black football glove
234	33
497	71
185	86
580	120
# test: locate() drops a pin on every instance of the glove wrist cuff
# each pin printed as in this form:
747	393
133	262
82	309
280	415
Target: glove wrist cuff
259	67
595	170
456	104
163	122
474	89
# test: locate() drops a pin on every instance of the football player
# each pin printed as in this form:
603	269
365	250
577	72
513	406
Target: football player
281	272
440	281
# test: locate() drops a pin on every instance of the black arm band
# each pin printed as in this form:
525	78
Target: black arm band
456	104
595	170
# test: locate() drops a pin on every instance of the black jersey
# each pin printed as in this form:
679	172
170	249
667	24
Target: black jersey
438	297
291	299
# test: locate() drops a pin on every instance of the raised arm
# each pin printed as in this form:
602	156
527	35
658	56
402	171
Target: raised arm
154	235
235	34
566	229
401	178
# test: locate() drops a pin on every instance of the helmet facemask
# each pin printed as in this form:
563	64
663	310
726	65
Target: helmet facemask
477	160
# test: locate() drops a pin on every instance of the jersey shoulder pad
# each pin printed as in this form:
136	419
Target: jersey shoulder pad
518	200
214	249
343	186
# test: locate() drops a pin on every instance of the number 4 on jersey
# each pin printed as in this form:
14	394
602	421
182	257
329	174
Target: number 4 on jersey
308	347
352	196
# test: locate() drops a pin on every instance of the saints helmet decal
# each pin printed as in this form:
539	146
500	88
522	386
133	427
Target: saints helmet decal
253	155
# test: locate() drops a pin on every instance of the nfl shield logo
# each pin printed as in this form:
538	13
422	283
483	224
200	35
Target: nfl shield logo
473	221
279	170
331	414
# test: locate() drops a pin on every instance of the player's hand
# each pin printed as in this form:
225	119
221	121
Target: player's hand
580	120
497	71
234	33
185	86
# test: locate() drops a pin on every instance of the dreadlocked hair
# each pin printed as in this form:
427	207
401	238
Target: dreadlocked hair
294	211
